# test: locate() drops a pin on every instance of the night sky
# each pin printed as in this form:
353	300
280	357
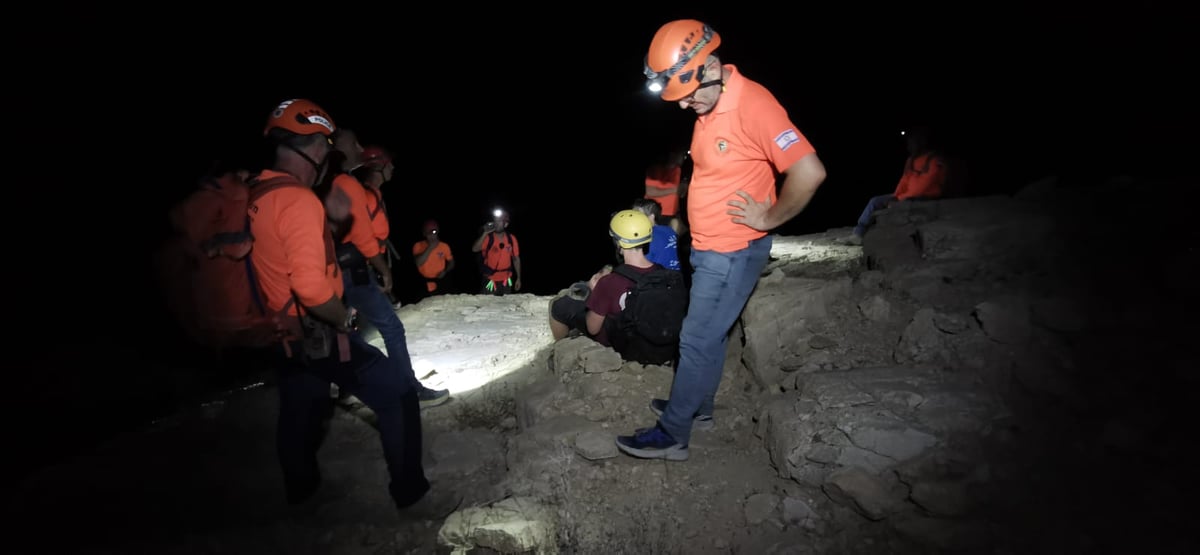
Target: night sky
548	116
545	114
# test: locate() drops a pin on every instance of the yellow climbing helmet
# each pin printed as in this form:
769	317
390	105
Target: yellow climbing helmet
630	228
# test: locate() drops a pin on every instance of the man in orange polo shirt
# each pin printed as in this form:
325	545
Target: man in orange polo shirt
293	259
742	140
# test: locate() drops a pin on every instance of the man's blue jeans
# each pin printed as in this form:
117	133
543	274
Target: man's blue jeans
872	205
373	305
721	285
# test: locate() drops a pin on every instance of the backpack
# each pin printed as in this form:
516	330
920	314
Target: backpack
204	267
479	257
647	330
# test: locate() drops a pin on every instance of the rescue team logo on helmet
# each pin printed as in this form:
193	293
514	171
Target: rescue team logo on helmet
278	113
686	54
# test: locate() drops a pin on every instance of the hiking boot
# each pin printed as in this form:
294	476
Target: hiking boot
701	422
432	397
436	504
652	443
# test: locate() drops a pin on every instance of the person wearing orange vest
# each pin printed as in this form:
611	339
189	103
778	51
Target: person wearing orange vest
299	278
359	243
924	177
433	258
499	256
662	185
363	261
376	169
742	140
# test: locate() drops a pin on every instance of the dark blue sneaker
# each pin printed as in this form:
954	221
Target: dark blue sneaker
652	443
432	397
702	422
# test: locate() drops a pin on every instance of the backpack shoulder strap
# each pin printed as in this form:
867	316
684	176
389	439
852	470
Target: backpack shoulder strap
627	271
379	205
260	187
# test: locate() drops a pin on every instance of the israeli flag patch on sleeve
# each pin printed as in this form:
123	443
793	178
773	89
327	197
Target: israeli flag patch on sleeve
787	139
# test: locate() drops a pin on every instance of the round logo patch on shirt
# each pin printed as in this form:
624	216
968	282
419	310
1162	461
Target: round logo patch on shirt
722	146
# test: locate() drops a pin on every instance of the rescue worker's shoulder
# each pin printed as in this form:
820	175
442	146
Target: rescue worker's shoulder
291	198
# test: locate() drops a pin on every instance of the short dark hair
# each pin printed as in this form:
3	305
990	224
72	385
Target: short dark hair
649	207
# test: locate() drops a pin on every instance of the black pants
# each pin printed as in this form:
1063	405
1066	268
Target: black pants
376	381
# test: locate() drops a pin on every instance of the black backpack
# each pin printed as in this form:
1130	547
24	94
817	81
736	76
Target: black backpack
647	330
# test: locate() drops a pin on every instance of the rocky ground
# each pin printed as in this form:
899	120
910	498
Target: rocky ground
990	375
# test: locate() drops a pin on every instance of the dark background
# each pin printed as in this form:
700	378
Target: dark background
546	114
543	112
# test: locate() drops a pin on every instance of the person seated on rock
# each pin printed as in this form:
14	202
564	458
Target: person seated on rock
586	305
924	177
568	310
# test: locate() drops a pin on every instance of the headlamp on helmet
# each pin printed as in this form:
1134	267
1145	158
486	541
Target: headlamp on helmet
501	215
679	49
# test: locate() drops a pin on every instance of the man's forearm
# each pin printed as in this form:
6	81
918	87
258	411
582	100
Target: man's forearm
332	312
799	186
423	256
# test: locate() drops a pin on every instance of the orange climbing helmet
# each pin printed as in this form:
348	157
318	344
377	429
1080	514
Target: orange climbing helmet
300	116
676	57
